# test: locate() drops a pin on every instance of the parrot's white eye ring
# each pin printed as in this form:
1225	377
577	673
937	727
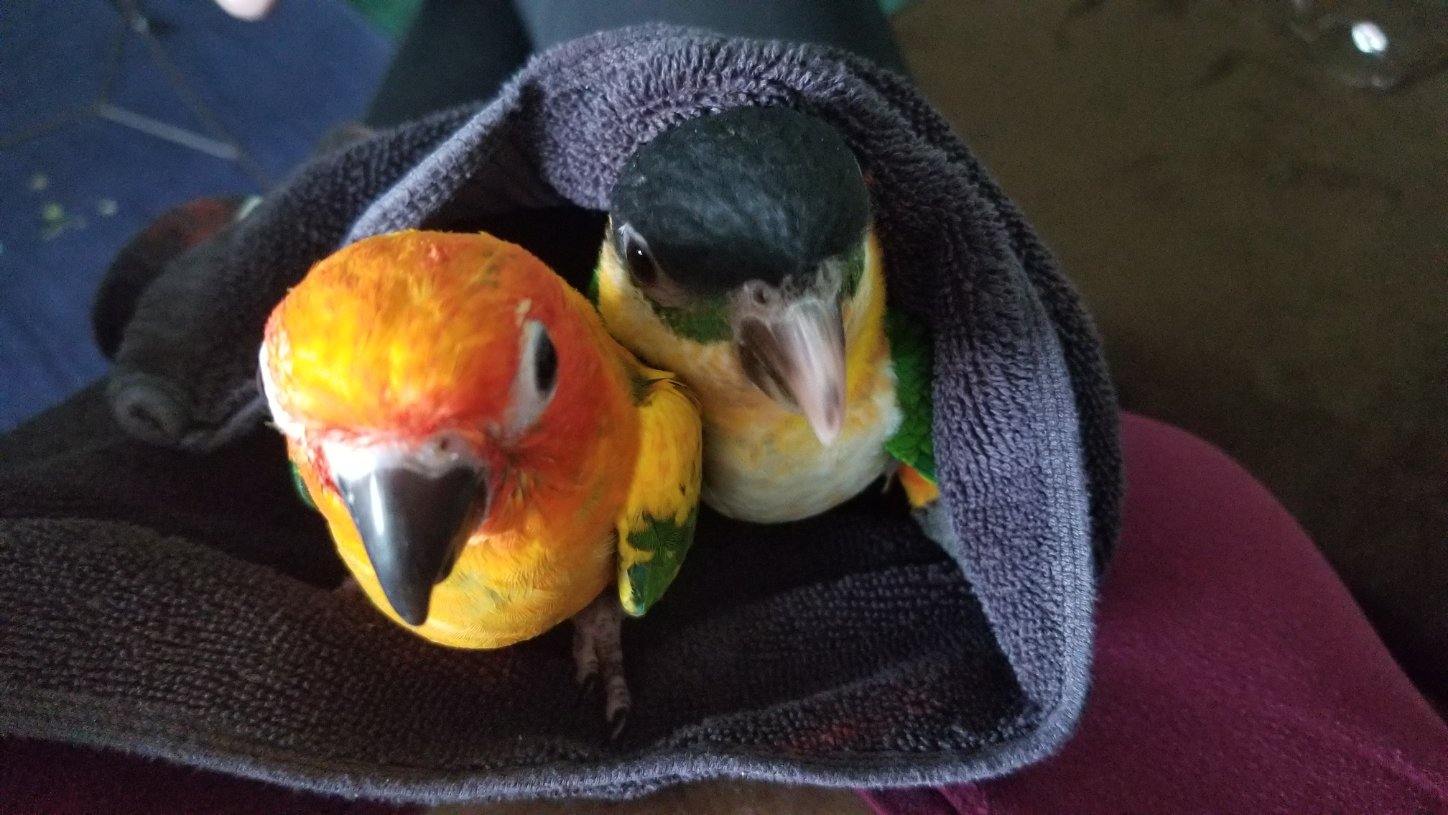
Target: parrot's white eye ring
537	377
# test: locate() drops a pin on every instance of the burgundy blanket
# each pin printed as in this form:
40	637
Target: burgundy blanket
1234	674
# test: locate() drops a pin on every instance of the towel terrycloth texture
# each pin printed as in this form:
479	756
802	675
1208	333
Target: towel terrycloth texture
1234	673
178	604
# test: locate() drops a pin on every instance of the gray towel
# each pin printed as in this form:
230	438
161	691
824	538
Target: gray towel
179	603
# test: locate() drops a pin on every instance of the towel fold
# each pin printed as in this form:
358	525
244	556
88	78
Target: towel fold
174	600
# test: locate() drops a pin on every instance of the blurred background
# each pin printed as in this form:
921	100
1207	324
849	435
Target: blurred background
1253	198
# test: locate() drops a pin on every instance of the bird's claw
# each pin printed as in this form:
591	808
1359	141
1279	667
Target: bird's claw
598	660
616	705
617	721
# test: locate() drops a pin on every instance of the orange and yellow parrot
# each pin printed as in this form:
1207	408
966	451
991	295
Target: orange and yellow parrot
487	458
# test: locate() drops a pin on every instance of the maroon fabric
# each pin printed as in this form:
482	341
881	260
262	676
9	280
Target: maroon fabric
40	778
1234	674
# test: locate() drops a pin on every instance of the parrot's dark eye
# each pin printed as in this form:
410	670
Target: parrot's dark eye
637	257
545	363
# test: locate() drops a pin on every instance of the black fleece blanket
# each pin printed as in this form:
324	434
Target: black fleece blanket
169	596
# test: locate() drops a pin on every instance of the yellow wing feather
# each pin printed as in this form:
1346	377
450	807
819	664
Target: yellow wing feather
656	527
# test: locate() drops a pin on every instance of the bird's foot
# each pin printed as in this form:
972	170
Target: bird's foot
598	658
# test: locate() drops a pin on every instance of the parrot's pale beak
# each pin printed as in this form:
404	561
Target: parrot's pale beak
413	522
795	352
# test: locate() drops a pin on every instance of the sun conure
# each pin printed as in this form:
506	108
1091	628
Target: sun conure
488	459
740	254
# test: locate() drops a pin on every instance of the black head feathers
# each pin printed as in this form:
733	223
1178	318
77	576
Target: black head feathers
748	194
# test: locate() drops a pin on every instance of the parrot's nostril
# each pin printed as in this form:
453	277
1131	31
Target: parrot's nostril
147	410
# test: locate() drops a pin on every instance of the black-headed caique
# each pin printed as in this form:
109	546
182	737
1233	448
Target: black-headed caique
740	254
488	459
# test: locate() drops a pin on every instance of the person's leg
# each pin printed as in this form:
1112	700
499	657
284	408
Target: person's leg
855	25
455	52
460	51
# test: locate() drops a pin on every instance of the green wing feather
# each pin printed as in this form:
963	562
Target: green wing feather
657	548
913	358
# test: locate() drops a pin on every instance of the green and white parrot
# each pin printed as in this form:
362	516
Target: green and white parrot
740	253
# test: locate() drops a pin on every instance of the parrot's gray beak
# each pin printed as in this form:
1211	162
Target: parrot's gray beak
413	522
794	350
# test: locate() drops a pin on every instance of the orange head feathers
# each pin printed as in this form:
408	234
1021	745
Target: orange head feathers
408	332
425	378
